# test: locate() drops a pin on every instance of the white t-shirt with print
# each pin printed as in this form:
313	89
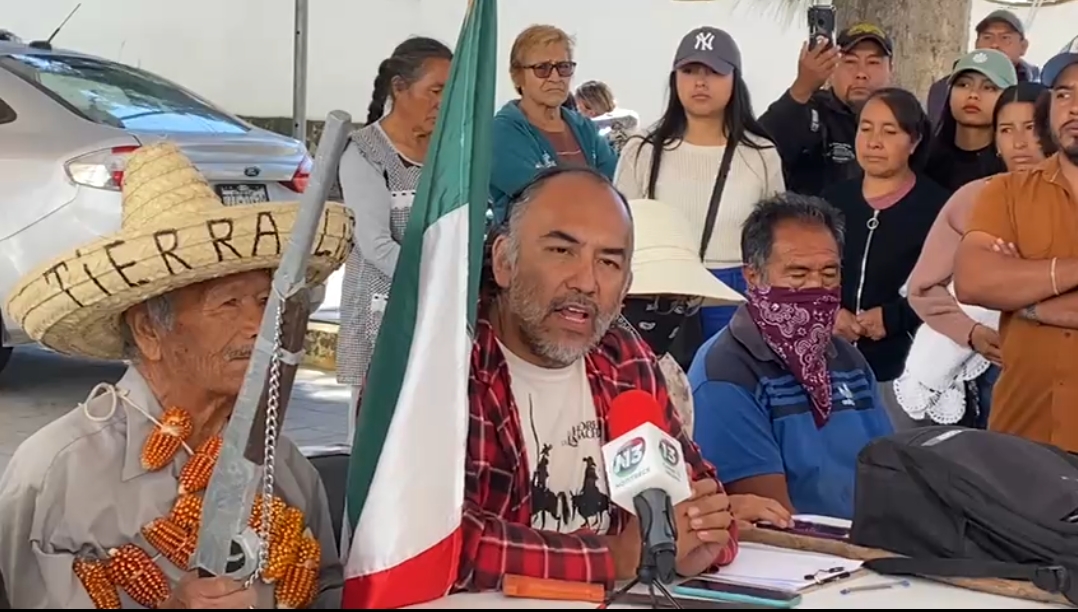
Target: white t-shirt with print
563	440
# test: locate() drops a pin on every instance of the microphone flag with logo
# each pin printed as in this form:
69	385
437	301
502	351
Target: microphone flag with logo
640	454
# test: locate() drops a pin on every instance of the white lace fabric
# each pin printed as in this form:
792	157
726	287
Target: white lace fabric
933	384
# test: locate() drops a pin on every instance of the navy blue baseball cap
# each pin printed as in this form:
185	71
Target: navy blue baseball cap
1055	67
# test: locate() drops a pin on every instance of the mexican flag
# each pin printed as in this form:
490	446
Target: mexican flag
406	479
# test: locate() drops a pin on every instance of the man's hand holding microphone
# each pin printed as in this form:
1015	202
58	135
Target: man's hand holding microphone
645	467
703	527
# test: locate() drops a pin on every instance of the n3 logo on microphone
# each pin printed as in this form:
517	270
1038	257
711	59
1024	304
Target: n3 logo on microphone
629	457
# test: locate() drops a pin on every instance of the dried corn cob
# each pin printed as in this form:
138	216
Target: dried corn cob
289	525
286	534
187	512
297	588
277	509
131	569
196	473
171	540
282	555
91	573
211	447
309	553
167	438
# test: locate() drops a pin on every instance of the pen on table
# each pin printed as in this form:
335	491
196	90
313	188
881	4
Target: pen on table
875	587
832	578
824	573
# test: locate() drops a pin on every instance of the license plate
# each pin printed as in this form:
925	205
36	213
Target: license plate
234	195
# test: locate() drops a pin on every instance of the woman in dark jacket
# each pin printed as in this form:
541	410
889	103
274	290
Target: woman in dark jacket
888	214
964	145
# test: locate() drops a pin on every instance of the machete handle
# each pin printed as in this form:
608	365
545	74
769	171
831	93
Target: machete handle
242	557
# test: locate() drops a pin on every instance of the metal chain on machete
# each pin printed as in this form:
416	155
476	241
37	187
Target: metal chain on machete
273	401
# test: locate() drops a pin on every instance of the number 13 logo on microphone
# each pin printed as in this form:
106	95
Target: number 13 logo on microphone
669	452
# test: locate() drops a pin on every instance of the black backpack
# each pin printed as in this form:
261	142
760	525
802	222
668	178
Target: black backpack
967	503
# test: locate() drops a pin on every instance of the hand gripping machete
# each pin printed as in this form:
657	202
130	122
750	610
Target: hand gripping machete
227	546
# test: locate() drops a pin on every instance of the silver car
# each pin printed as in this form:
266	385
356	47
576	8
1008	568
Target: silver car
68	121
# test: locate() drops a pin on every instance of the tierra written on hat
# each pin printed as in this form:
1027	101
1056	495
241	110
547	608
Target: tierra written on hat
175	231
127	259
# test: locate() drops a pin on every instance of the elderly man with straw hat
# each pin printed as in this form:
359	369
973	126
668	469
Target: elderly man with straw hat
670	284
101	508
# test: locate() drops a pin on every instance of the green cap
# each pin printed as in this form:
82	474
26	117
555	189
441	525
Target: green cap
994	65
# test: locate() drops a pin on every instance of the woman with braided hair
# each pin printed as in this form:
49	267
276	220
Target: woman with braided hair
379	174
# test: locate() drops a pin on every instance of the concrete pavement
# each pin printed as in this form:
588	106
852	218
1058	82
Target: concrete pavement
39	386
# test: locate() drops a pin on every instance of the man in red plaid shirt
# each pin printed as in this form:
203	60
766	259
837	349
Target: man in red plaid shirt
549	356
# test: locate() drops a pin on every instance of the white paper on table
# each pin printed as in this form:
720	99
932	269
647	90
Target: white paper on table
780	568
830	521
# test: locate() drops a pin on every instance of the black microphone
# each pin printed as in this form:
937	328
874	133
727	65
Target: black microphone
646	475
658	534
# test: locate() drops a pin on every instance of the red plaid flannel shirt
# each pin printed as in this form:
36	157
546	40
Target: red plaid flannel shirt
498	536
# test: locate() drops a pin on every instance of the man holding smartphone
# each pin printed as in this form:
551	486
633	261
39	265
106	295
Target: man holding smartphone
813	127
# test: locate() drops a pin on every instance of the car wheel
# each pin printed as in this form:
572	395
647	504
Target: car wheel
5	356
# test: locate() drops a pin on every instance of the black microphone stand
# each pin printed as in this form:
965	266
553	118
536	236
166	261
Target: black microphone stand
658	550
646	574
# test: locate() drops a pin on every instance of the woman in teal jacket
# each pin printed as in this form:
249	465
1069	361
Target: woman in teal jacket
536	131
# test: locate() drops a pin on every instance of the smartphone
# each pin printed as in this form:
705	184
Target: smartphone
643	600
813	530
821	22
738	593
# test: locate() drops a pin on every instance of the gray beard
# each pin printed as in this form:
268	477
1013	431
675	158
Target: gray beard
531	314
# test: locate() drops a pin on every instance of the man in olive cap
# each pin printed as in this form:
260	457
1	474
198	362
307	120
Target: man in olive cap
1003	31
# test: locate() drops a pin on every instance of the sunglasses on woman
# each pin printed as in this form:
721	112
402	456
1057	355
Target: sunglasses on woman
545	69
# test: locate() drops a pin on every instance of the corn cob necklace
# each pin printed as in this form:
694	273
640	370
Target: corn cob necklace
294	552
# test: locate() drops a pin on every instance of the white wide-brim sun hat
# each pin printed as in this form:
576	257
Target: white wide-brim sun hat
666	260
175	232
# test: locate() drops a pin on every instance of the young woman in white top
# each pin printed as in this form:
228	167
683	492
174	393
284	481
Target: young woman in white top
678	159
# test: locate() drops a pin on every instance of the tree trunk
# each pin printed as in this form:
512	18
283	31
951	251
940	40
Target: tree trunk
929	35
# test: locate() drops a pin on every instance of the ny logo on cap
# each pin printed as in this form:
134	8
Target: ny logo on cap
705	41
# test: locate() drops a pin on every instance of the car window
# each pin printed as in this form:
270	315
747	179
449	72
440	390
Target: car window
7	114
117	95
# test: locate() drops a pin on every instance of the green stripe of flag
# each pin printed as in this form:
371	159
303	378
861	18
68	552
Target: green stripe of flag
456	173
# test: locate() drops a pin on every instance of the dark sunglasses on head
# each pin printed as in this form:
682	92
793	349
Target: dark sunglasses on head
543	70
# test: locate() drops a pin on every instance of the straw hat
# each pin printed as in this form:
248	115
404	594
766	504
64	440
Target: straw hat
174	232
665	261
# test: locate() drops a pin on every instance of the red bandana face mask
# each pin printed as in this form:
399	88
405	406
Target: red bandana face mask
797	324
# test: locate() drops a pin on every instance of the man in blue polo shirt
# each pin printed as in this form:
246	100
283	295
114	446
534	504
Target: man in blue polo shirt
783	406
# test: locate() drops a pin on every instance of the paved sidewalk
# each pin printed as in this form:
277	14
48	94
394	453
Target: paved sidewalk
39	386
